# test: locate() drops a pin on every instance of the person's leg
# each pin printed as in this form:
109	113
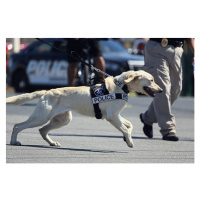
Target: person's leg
160	109
176	75
72	73
97	55
99	63
73	45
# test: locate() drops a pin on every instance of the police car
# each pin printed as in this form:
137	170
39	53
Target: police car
40	66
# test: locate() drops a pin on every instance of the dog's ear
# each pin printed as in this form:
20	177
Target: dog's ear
132	77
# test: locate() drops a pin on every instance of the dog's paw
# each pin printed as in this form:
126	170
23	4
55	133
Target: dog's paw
15	143
129	142
131	145
55	144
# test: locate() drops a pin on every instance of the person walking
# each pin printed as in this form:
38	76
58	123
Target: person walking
78	45
163	61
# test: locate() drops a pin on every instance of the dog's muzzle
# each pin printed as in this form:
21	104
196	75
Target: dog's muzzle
149	91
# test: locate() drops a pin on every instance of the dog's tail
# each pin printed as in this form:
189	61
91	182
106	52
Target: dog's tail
20	99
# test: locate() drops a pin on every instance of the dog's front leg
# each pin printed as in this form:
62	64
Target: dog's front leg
124	126
127	124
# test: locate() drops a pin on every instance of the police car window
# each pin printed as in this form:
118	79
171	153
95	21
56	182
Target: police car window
112	47
42	48
61	44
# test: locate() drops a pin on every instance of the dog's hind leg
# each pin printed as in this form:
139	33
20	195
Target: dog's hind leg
56	122
40	116
30	123
124	126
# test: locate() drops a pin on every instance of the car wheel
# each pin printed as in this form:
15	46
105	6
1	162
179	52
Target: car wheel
20	82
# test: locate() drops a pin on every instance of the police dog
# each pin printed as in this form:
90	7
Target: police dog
55	105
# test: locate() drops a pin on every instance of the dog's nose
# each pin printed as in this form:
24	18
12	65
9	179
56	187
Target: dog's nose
160	90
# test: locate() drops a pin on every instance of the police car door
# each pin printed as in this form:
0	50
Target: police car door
47	66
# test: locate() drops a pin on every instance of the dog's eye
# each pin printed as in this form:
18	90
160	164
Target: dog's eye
152	80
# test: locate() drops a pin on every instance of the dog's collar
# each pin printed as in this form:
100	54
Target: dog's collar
122	86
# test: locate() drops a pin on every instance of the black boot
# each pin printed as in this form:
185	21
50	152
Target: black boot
170	137
148	130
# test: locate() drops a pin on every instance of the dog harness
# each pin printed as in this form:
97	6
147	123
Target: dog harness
100	94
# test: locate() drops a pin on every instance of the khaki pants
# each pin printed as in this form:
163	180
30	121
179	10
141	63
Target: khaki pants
164	63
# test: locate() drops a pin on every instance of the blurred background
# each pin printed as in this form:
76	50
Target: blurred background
32	65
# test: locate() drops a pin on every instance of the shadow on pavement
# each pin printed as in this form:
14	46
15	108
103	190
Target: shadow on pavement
121	137
69	149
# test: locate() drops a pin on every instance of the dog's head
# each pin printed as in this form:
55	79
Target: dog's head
142	82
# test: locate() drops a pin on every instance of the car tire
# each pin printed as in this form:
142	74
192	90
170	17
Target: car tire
20	82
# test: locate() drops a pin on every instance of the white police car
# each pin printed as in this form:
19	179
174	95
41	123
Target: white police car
40	66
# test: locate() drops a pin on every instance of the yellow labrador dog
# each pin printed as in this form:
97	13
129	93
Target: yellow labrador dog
55	105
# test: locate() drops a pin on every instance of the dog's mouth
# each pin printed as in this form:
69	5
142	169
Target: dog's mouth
149	91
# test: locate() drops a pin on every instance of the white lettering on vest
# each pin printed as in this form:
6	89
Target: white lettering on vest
103	98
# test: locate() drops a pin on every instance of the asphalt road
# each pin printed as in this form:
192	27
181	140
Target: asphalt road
88	140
